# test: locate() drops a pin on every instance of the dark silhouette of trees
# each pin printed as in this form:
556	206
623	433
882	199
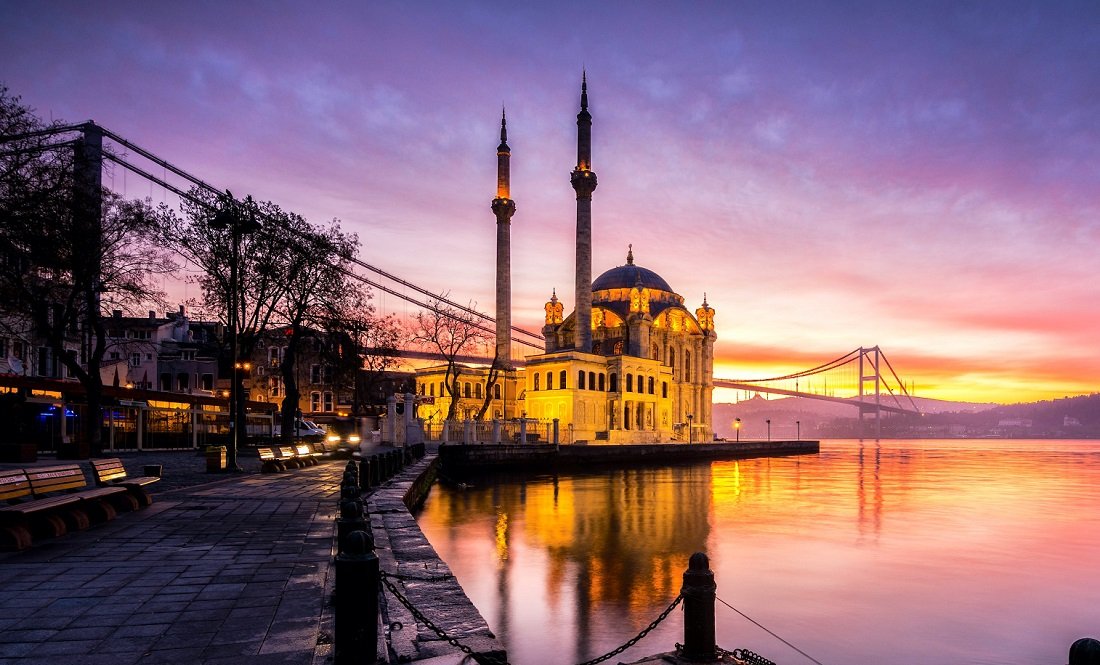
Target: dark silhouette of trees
69	250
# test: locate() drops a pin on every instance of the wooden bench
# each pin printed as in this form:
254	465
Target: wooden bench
307	454
111	473
289	457
29	514
269	463
320	448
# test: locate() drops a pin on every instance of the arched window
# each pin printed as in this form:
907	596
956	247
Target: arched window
580	379
466	390
614	381
656	352
671	357
549	380
496	391
601	382
592	381
651	385
664	389
477	391
561	379
431	390
629	383
687	365
536	381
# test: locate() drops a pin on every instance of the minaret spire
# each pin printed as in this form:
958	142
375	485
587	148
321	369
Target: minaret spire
583	180
503	208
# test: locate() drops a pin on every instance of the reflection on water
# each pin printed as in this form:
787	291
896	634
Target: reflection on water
899	552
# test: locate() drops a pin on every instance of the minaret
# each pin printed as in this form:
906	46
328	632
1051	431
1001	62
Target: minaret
504	207
583	179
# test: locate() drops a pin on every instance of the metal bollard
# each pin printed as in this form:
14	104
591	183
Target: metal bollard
352	468
1085	651
364	474
699	592
351	519
356	601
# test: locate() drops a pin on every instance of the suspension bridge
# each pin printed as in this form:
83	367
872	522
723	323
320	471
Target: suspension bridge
862	378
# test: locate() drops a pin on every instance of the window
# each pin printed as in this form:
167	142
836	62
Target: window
187	355
183	382
655	352
328	401
629	383
275	355
580	379
671	357
115	355
664	389
207	381
315	374
536	381
431	390
466	390
650	385
421	388
549	380
496	391
591	380
17	349
561	380
148	356
165	381
315	401
687	366
135	360
327	372
441	389
601	381
614	381
276	386
477	391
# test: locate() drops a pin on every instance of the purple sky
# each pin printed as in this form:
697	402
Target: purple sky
921	176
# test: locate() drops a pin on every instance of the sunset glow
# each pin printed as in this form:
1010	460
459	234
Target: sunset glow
921	177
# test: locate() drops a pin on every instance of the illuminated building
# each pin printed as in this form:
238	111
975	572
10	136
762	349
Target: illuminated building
630	365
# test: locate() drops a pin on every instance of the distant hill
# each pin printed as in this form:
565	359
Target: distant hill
794	416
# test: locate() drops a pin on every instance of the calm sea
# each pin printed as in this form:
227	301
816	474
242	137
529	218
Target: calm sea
899	552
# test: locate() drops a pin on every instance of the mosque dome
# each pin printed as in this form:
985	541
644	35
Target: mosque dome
629	276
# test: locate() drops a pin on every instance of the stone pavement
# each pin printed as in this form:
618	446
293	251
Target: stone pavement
235	569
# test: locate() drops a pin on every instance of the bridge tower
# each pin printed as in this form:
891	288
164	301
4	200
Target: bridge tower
503	208
865	378
583	180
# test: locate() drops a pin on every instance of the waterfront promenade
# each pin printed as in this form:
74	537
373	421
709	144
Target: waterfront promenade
220	569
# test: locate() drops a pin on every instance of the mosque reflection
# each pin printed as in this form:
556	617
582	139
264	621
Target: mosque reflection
618	539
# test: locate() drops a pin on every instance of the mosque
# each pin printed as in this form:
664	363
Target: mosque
631	364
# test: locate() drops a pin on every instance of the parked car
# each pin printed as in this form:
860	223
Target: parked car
304	429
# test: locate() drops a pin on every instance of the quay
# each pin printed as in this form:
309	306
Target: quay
241	568
463	459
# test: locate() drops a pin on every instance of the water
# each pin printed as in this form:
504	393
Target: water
899	552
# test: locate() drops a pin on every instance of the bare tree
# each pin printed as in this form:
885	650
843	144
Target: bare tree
451	333
491	380
69	250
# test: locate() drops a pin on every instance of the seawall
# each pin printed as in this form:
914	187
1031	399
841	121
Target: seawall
461	460
420	575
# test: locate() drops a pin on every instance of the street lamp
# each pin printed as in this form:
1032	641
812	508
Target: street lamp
737	428
690	417
230	217
769	422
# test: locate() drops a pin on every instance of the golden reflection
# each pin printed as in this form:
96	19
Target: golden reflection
502	536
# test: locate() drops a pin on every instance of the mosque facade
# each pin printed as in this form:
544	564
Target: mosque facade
630	364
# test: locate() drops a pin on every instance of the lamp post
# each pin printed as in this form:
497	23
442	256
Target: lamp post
690	418
230	217
737	428
769	422
798	429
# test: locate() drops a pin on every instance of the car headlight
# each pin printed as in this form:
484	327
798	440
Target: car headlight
333	438
354	438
